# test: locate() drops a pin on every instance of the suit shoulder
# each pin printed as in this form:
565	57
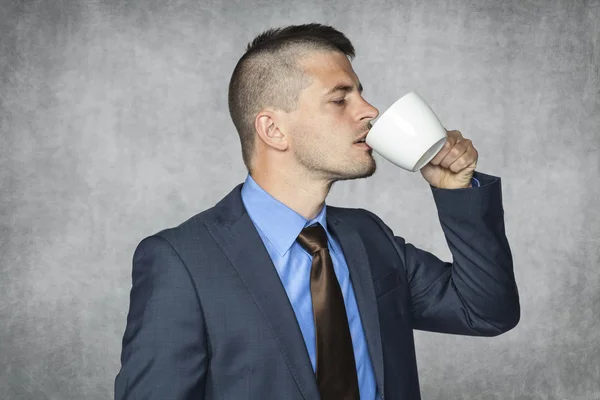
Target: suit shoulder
192	227
193	233
359	216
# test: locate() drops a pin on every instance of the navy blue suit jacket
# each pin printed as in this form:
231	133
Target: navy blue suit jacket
210	319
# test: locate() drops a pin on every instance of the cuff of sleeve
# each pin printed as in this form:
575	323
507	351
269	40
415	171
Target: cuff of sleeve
467	203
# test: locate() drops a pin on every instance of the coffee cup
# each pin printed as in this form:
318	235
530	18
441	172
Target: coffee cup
408	134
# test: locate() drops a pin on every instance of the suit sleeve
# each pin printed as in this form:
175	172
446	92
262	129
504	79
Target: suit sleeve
164	353
476	294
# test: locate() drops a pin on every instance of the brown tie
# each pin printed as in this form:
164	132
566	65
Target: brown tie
336	369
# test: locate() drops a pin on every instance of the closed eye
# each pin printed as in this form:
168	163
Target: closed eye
339	102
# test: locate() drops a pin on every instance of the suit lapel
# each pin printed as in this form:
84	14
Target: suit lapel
245	250
355	255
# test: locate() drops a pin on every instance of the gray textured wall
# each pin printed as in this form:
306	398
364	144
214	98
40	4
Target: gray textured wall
114	124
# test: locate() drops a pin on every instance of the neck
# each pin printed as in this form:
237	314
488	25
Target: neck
294	188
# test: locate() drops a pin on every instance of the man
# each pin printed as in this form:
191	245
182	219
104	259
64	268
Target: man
271	294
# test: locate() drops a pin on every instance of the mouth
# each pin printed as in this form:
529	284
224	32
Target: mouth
362	138
362	143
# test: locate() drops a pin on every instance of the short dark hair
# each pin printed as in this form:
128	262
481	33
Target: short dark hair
268	74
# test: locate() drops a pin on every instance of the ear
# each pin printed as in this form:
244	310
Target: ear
268	126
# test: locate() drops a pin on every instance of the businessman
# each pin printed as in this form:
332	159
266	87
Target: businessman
271	293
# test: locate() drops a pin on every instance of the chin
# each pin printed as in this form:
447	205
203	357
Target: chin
356	171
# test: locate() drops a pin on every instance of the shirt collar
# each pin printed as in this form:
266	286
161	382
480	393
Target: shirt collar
279	224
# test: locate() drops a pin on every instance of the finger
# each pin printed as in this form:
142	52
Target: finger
455	152
451	140
455	134
466	160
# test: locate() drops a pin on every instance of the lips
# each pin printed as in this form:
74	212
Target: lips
362	138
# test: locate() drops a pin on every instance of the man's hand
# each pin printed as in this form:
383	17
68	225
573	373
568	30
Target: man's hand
453	166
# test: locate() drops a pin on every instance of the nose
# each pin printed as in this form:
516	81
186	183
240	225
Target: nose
369	112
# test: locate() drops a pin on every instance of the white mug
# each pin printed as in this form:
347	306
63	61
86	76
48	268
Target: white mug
408	134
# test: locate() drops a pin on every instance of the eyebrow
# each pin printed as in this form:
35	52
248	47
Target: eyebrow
344	87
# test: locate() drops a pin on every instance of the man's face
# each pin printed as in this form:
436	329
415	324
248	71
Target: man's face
326	124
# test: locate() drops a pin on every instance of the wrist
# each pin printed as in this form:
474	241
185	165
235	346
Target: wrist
455	186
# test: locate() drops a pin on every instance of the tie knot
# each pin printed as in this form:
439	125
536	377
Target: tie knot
313	238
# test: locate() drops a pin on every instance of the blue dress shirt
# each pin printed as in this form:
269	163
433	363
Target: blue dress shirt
279	227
